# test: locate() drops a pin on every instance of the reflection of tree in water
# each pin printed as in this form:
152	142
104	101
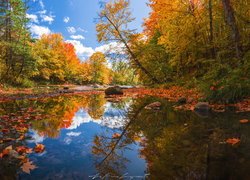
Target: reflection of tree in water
176	144
60	112
109	150
114	164
181	145
96	106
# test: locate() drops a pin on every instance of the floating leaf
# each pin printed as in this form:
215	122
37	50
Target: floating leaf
244	121
6	151
5	130
116	135
28	166
39	148
233	141
23	149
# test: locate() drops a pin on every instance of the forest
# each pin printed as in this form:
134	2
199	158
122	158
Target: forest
168	99
200	44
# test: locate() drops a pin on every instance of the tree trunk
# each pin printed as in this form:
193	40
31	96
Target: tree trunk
211	29
137	62
231	22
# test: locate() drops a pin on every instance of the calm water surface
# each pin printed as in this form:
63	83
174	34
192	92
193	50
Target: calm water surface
89	135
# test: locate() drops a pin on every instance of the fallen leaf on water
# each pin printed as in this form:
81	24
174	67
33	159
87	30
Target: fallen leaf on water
23	149
116	135
6	151
5	130
39	148
244	121
28	166
21	138
233	141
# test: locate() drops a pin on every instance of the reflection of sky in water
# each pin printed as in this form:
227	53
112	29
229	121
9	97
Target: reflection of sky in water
69	156
112	118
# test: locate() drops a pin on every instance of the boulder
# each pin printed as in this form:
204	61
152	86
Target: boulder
116	90
96	86
182	100
202	106
155	106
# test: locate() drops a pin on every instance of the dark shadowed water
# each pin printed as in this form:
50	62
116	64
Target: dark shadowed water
89	137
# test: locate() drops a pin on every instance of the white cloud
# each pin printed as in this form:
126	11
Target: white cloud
47	18
32	17
74	134
41	4
81	50
71	30
84	52
81	29
77	37
42	12
38	31
66	19
113	47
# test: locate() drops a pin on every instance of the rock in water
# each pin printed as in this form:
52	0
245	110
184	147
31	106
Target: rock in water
116	90
182	100
202	106
155	106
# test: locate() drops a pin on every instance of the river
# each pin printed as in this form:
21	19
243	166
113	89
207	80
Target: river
90	137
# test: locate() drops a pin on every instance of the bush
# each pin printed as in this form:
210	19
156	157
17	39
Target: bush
24	82
226	85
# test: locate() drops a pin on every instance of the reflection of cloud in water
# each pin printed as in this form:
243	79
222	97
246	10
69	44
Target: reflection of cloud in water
67	140
112	117
74	134
80	117
36	138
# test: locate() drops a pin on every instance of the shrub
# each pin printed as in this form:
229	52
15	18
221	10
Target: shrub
226	85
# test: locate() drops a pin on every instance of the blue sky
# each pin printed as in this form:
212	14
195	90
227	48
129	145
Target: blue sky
75	20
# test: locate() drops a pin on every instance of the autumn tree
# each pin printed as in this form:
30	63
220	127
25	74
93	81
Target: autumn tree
99	69
14	38
56	60
113	23
203	41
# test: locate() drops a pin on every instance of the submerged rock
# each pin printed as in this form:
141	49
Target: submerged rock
202	109
202	106
116	90
155	105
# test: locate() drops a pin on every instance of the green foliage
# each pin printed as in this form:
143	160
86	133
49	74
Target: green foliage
123	74
24	82
226	85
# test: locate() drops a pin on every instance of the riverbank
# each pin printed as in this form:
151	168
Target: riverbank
185	99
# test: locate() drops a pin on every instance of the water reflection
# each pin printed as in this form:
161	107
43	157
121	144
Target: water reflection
86	134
